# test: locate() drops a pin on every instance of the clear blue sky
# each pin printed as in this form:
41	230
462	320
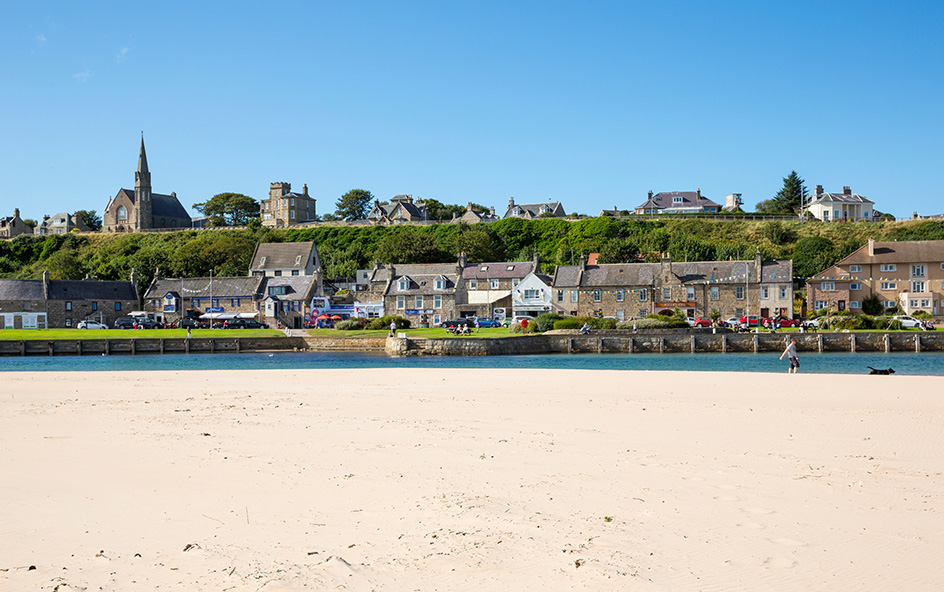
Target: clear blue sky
589	103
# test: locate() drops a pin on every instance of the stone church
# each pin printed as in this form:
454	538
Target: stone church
140	210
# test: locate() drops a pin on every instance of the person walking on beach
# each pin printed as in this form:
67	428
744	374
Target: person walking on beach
791	353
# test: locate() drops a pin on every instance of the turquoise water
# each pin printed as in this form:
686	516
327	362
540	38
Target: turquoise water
926	364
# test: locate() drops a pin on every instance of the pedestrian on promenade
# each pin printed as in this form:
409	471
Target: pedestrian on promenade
791	353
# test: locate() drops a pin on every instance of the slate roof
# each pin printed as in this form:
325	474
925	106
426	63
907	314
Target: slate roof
162	206
534	210
898	252
21	290
666	200
852	198
223	287
282	255
91	290
298	286
383	274
422	278
645	274
498	271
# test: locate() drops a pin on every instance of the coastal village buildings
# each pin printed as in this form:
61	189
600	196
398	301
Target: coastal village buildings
427	291
400	210
488	287
841	207
284	208
678	202
11	226
46	303
631	290
171	299
905	273
533	295
141	209
472	216
61	223
550	209
278	259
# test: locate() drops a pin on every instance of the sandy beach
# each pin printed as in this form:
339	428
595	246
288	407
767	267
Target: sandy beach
470	480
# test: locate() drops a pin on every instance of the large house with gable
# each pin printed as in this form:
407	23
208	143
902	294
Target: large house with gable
841	207
11	226
401	210
678	202
549	209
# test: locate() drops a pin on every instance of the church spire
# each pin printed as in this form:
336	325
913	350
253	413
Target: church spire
142	157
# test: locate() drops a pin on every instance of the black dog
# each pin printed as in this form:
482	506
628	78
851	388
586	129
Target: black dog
885	371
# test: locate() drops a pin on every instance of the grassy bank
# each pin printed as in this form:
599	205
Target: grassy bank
32	334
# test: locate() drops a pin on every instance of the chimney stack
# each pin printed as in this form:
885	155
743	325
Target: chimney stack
16	212
462	260
468	207
650	194
698	192
491	211
871	247
511	202
305	189
847	190
583	263
536	263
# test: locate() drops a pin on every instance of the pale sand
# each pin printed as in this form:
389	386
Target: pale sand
470	480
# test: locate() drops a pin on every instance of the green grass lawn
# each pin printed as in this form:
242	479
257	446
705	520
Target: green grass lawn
27	334
432	332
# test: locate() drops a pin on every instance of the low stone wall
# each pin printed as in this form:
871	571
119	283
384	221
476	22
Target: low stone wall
85	347
669	342
346	343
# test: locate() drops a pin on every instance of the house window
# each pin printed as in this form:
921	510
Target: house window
68	322
739	292
819	304
855	286
828	286
68	305
855	269
855	304
889	286
262	261
418	301
292	214
216	302
94	306
917	286
667	293
440	284
925	303
597	295
888	267
403	284
117	307
473	284
278	273
690	293
783	293
715	293
643	296
677	200
573	295
888	303
437	301
913	303
495	284
122	213
531	294
560	295
298	260
764	293
619	315
917	271
619	295
234	302
294	272
401	302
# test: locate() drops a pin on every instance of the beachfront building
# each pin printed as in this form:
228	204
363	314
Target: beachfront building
288	299
46	303
284	208
632	290
841	207
61	223
401	210
140	209
532	296
678	202
11	226
488	286
427	291
171	299
473	216
909	274
281	259
548	209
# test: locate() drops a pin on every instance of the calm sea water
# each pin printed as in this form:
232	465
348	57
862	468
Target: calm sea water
926	364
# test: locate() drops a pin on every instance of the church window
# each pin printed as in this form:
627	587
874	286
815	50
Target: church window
122	213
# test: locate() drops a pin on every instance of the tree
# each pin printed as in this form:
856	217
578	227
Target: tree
480	242
872	305
229	209
812	255
790	197
31	223
409	244
353	205
90	218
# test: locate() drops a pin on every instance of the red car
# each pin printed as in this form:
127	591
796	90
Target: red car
788	323
703	322
752	322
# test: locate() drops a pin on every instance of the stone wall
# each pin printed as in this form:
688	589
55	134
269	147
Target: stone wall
59	347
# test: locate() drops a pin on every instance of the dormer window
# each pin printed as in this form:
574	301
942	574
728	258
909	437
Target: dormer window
403	284
440	284
484	268
678	199
510	268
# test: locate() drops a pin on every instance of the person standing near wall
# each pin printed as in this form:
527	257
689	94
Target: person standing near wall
791	353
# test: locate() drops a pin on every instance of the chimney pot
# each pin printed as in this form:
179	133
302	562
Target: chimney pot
847	190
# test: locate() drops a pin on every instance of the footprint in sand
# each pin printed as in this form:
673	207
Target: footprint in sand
779	562
756	510
787	542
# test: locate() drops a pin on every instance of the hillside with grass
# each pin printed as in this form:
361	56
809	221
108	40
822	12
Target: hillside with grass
813	246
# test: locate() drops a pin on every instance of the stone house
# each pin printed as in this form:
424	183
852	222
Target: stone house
536	210
61	223
288	299
533	295
632	290
905	273
472	216
140	209
415	291
49	303
841	207
11	226
401	210
678	202
284	208
489	286
170	299
278	259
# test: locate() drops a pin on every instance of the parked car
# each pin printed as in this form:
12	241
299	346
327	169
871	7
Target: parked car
908	322
464	321
732	322
91	325
189	323
702	322
485	322
254	324
690	321
810	324
751	321
124	323
788	323
517	319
